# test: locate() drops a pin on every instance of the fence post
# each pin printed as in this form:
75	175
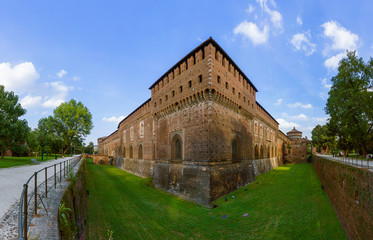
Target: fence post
55	175
60	171
25	213
64	168
36	193
46	183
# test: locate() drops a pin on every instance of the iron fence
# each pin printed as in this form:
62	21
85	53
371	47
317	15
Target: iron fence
43	182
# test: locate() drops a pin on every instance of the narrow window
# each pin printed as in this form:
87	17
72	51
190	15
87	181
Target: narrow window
223	62
173	93
226	85
155	104
190	84
140	152
216	54
181	88
194	60
239	95
218	79
131	152
166	97
176	148
160	101
200	78
203	53
233	90
186	65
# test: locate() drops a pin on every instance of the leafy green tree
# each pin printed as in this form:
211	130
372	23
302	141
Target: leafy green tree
323	138
90	148
33	142
13	131
71	122
350	102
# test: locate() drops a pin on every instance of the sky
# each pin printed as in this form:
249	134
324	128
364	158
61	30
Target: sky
107	54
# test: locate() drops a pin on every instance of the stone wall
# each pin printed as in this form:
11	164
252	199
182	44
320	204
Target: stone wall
139	167
74	199
350	191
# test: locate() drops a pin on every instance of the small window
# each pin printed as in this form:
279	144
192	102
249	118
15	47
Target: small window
194	60
155	104
173	93
190	84
233	90
140	152
160	101
239	95
219	79
244	99
216	54
166	97
229	68
223	62
200	78
186	65
203	53
226	85
181	88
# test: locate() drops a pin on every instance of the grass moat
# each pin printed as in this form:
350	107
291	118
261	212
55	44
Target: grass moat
285	203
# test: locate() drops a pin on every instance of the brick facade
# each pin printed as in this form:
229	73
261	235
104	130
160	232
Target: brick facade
202	134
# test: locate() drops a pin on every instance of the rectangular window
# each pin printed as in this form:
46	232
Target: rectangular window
186	65
200	78
166	97
160	101
218	79
223	62
124	136
181	88
131	133
233	90
173	93
226	85
239	95
190	84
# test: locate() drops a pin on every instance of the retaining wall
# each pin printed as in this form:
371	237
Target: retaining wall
350	191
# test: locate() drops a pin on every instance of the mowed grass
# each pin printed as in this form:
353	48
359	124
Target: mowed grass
7	162
285	203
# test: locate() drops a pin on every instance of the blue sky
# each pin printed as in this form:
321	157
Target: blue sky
106	54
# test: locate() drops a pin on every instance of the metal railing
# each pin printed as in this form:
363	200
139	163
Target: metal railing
28	204
356	162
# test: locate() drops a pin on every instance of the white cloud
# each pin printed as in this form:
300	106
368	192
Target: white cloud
325	85
76	78
251	31
275	16
298	104
113	119
29	101
299	21
250	9
342	39
333	62
59	92
301	41
278	102
18	78
301	117
61	73
286	126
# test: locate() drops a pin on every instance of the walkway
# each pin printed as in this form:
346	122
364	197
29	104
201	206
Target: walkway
360	163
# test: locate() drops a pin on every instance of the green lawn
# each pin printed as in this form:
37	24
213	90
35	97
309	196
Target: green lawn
17	161
286	203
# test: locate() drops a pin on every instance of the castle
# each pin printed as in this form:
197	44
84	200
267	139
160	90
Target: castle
202	134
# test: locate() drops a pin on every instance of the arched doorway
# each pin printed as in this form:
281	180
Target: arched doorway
176	148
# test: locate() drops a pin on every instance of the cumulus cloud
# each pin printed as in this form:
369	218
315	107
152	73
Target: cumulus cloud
298	104
275	16
341	40
324	83
301	41
299	21
301	117
19	77
113	119
253	32
29	101
332	63
278	101
59	92
286	126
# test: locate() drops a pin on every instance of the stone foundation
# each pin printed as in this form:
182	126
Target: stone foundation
138	167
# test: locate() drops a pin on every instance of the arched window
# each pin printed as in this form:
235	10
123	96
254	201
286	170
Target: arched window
124	152
131	152
140	152
256	152
236	150
176	148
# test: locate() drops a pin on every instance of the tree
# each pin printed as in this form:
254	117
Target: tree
13	131
71	122
323	138
350	102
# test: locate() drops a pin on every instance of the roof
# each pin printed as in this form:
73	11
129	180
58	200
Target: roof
294	131
202	45
266	112
134	111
